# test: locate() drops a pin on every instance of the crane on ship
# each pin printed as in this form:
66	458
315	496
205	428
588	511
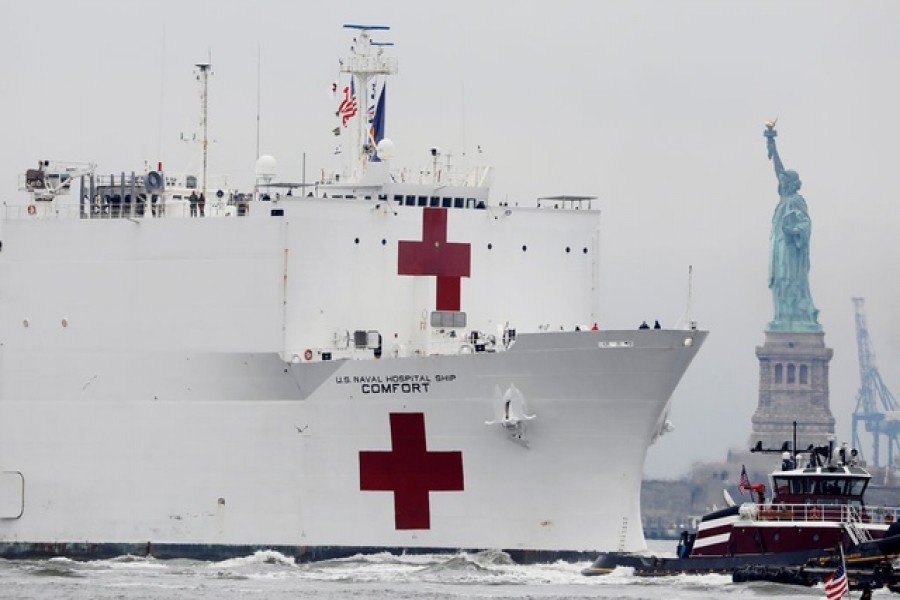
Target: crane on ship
876	408
52	178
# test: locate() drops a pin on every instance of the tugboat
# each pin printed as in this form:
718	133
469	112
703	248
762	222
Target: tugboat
816	512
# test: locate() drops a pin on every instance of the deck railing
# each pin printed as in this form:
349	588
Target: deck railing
843	513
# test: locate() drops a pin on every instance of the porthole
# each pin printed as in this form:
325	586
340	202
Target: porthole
356	240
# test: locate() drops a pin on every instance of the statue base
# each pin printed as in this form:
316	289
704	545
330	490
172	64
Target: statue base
793	386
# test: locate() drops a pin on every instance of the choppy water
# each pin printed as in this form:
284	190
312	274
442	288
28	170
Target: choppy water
271	576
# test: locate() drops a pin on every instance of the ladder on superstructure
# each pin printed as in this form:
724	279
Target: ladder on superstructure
852	524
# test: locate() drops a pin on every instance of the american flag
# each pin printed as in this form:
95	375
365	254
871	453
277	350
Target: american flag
347	108
744	484
836	584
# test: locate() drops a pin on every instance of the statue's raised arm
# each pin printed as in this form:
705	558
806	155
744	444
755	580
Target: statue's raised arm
770	134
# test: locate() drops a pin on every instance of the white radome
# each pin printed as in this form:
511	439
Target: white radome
386	149
266	167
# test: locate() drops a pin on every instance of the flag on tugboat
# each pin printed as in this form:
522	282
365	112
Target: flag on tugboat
744	484
836	583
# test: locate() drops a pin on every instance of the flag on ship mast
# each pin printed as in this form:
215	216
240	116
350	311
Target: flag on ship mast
376	129
347	108
836	584
744	484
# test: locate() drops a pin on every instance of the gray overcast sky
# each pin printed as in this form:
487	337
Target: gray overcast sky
656	107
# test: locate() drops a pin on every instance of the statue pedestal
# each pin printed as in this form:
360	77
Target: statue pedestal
793	386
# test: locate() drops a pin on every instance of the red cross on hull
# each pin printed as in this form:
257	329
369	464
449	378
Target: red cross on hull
434	255
410	471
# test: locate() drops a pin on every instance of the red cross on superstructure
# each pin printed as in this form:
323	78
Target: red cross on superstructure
410	471
434	255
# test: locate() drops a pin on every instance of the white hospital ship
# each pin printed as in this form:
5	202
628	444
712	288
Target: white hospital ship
362	364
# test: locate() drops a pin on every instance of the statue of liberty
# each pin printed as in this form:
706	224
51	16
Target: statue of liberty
789	251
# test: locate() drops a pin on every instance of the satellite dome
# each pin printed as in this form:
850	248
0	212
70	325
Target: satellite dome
386	149
266	167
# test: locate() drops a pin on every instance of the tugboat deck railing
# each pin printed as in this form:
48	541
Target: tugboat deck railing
853	516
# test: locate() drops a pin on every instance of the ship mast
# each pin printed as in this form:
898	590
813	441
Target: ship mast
203	78
364	63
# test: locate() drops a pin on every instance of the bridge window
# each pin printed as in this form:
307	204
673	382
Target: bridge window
410	200
398	198
778	373
458	203
834	487
446	202
435	201
804	374
423	200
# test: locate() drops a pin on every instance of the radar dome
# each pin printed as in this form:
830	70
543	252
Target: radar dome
386	149
266	167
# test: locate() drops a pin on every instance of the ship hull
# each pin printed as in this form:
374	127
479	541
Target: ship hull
207	455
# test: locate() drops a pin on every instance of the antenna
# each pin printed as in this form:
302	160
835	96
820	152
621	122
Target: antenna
685	321
162	89
258	93
205	69
463	94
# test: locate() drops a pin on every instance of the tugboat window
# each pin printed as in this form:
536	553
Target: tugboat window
857	486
